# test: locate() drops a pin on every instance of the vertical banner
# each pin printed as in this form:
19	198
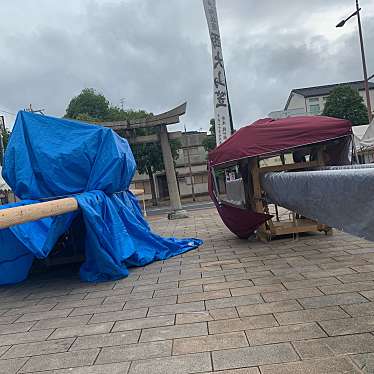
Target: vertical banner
222	111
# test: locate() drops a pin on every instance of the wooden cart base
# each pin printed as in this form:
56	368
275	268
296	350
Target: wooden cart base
297	226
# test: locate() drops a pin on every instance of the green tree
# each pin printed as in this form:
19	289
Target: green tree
345	102
5	134
90	106
209	142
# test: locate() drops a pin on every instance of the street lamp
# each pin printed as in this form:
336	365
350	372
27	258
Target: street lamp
366	79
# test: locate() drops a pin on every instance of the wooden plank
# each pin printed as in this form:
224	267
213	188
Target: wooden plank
33	212
288	167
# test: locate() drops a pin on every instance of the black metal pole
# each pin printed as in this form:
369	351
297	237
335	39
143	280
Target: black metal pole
366	82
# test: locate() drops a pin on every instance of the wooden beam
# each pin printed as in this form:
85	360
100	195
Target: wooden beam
167	118
33	212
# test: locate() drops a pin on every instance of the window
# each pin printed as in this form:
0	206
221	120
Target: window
325	98
315	109
314	100
198	179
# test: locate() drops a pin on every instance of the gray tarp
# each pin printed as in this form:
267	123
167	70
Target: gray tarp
341	197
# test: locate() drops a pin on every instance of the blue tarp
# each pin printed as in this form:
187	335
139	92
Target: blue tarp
50	157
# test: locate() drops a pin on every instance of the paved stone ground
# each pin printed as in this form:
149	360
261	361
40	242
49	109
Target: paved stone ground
231	307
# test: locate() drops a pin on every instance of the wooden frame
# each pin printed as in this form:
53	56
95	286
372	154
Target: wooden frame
273	228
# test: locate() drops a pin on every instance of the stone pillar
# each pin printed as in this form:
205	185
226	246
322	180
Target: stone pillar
175	201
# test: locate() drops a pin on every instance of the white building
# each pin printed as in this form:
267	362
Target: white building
311	100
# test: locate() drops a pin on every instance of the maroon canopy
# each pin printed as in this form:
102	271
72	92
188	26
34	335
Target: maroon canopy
267	136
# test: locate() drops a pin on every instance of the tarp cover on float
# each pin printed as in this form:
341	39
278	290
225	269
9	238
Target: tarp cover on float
48	158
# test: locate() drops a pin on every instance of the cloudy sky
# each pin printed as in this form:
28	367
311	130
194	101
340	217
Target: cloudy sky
156	54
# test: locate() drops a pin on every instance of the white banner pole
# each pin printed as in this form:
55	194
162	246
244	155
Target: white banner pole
222	112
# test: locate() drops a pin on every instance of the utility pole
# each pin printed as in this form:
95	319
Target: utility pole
189	165
366	81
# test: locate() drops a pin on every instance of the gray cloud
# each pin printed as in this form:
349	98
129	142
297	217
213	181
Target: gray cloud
156	54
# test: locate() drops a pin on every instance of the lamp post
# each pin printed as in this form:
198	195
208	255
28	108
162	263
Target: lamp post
366	79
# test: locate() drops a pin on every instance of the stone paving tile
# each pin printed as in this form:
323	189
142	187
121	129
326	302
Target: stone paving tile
237	371
268	308
358	277
24	337
3	349
193	363
60	361
134	352
362	309
225	285
274	280
310	315
293	294
96	309
73	331
178	308
209	343
193	317
119	316
256	289
144	323
38	348
106	340
15	313
223	313
284	333
172	332
178	291
345	326
79	303
61	322
323	366
38	316
329	300
253	356
145	303
117	368
233	301
365	362
292	285
347	287
16	327
209	295
337	345
241	324
368	294
11	366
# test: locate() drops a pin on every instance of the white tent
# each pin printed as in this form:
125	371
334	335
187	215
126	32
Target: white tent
3	185
368	139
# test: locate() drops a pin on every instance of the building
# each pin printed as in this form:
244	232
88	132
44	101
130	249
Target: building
311	100
193	151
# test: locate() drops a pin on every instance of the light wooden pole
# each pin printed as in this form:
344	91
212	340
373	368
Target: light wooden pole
33	212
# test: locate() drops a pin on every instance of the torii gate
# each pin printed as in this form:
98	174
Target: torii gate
159	121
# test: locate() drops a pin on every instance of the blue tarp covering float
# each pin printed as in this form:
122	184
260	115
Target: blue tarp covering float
48	158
